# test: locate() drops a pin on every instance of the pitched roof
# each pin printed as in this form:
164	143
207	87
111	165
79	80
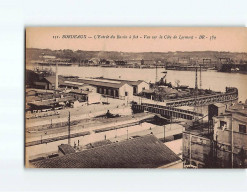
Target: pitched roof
52	79
66	149
79	91
103	83
121	80
142	152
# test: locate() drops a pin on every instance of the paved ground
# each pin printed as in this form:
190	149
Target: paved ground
80	112
86	125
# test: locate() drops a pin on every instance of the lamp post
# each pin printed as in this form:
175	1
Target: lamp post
69	129
164	133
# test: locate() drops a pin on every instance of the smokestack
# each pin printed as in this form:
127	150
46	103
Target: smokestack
56	84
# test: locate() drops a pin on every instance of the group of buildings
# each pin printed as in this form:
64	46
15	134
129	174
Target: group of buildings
224	144
88	90
135	62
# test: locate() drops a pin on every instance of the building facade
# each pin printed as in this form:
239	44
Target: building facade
231	137
108	88
225	144
138	86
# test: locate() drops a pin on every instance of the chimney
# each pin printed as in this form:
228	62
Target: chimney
56	84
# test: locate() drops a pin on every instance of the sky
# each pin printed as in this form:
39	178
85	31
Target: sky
230	39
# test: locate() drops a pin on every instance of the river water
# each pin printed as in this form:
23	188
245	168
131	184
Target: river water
210	79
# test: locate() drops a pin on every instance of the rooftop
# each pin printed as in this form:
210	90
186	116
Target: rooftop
66	149
79	91
141	152
122	80
74	83
239	108
98	144
148	91
52	79
219	105
51	101
98	82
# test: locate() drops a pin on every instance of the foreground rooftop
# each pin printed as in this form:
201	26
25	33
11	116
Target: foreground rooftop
141	152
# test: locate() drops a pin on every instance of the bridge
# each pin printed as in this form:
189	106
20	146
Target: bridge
169	109
165	111
231	94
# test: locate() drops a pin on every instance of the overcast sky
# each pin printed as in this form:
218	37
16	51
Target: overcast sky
227	39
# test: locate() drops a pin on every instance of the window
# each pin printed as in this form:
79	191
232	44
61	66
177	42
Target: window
135	91
143	88
242	128
223	125
126	93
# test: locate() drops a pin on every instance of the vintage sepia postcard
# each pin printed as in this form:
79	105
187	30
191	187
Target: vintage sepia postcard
136	97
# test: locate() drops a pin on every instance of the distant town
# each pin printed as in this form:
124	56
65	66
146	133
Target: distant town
107	122
207	60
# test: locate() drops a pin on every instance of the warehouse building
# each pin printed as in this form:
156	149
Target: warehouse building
110	88
138	86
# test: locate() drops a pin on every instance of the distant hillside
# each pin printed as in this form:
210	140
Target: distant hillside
76	56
